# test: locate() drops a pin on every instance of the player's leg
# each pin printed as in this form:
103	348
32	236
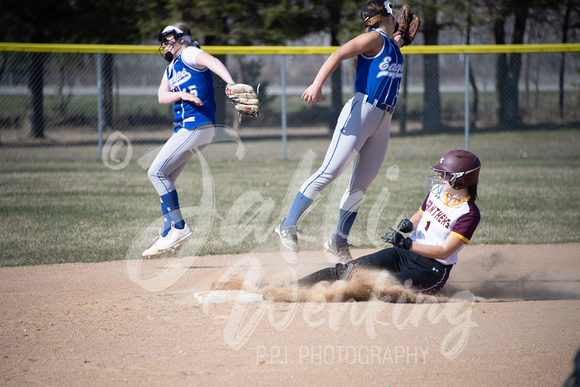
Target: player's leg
422	280
365	169
163	173
423	274
340	152
338	156
174	155
340	271
347	139
386	259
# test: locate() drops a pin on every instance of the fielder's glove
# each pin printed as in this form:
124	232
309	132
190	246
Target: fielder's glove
397	239
405	226
244	98
408	24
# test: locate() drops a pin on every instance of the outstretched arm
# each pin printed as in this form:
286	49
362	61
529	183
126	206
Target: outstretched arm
369	43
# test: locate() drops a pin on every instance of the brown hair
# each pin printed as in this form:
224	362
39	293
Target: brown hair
472	191
182	26
372	6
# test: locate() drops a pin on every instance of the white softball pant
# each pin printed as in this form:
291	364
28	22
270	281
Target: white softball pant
175	154
362	130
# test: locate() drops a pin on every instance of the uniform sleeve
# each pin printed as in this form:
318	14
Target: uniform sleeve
467	224
189	56
424	205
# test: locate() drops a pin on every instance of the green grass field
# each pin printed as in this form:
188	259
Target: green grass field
58	211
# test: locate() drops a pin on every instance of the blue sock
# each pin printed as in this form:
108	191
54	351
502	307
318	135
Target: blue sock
172	203
300	204
166	219
345	222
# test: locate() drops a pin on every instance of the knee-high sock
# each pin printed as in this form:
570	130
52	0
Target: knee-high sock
171	201
166	219
345	222
300	204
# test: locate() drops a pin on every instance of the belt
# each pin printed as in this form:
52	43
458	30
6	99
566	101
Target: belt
389	109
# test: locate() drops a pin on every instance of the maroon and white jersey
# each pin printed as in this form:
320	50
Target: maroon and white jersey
439	219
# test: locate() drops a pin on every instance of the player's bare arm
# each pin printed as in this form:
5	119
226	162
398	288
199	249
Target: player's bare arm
369	44
215	65
451	244
416	218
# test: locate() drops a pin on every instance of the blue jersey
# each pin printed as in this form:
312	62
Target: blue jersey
379	76
183	74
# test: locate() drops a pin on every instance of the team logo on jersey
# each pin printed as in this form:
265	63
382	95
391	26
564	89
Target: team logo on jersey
388	69
180	77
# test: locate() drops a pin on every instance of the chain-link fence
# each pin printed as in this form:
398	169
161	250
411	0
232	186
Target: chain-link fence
50	100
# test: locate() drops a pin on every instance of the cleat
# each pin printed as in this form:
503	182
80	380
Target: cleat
340	250
175	239
154	250
288	236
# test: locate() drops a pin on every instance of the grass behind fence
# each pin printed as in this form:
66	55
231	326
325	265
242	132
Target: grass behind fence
536	106
71	211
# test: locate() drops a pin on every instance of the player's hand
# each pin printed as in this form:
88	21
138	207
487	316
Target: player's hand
185	96
399	40
397	239
313	94
405	226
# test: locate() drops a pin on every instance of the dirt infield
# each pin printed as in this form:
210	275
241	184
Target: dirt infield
508	316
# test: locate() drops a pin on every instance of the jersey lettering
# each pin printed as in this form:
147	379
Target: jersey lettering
390	70
192	90
437	214
180	77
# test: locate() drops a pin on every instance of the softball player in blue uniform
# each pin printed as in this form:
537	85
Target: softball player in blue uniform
362	129
188	84
443	225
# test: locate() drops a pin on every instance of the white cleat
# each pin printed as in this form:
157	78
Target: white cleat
174	239
154	250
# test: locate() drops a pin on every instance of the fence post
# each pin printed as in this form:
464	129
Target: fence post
283	84
100	103
466	101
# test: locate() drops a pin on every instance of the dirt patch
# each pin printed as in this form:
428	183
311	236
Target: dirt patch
508	316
